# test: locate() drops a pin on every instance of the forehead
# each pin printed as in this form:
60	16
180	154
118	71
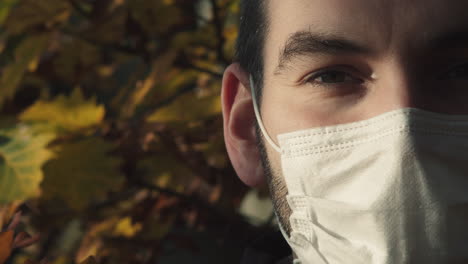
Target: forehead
381	24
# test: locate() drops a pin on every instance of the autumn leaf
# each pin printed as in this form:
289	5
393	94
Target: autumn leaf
135	77
155	16
26	54
165	171
66	112
5	7
7	211
32	13
188	107
10	241
115	226
82	172
6	245
108	30
89	260
160	66
77	54
22	154
126	228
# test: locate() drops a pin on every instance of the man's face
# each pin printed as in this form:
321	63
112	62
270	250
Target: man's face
330	62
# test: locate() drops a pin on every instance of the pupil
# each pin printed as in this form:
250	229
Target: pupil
333	77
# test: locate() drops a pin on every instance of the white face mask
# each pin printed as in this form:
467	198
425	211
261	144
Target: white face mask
392	189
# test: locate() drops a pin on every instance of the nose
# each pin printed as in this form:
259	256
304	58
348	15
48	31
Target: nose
395	87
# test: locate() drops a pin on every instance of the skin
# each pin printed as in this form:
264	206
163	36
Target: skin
403	66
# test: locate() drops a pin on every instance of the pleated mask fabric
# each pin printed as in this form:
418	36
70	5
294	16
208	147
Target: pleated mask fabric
392	189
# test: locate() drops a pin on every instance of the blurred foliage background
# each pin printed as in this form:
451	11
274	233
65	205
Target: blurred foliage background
111	138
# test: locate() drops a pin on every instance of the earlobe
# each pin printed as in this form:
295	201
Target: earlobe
239	126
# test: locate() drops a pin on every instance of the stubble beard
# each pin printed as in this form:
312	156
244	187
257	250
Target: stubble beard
276	185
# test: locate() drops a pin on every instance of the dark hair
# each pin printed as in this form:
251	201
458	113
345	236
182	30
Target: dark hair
250	41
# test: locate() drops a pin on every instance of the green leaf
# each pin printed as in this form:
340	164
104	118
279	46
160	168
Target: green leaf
68	113
82	173
26	54
22	154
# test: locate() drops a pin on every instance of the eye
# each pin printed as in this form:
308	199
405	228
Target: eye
458	72
332	77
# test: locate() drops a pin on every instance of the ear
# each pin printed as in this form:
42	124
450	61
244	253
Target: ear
239	126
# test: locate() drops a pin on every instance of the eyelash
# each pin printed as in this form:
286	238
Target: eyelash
312	78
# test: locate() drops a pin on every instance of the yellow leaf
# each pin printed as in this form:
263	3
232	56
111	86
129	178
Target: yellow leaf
188	108
68	113
126	228
22	154
6	243
92	241
93	244
82	173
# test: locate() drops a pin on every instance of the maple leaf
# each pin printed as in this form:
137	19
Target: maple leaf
22	154
81	173
68	113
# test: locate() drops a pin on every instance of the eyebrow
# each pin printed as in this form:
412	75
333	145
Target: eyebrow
306	43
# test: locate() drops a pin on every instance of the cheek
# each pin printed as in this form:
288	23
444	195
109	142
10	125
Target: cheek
286	109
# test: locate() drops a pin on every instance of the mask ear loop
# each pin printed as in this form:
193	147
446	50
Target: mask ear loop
259	119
